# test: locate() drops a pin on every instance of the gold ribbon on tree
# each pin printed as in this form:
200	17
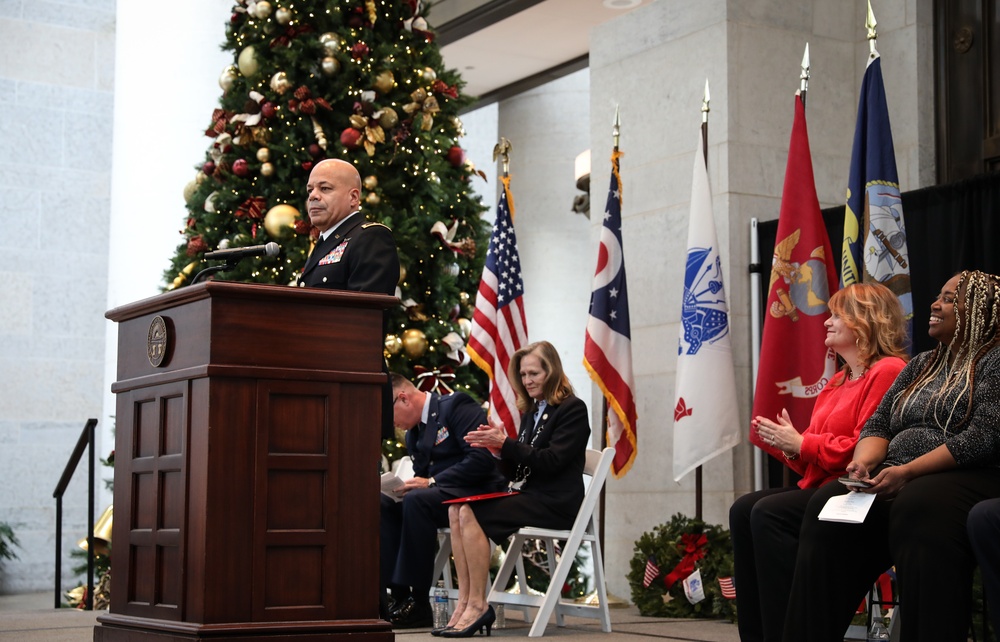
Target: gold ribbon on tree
423	105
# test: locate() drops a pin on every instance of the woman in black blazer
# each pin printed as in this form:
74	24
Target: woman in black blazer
545	464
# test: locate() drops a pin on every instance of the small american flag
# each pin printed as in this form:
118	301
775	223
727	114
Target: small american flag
652	572
728	588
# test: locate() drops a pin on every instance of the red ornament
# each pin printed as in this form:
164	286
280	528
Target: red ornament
315	151
350	138
196	245
268	109
307	166
241	168
456	156
359	50
208	168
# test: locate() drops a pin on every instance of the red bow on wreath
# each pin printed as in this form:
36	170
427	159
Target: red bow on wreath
434	380
693	551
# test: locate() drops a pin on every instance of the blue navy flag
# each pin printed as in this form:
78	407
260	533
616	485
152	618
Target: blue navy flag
607	348
874	246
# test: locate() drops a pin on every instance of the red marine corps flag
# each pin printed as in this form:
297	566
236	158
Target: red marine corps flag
794	362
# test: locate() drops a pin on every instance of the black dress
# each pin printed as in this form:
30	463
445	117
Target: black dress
550	459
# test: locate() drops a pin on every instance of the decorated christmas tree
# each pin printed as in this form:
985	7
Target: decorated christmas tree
362	81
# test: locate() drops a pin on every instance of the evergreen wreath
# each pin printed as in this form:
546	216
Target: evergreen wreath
667	545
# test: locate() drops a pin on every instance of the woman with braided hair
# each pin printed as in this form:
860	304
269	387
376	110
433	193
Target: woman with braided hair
929	453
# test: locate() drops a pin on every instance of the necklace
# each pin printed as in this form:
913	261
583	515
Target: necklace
851	376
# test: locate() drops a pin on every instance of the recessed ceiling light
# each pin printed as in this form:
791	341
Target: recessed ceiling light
621	4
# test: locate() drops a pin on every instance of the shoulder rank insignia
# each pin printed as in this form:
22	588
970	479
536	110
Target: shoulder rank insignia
365	226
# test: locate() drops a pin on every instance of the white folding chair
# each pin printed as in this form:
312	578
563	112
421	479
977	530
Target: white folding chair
584	530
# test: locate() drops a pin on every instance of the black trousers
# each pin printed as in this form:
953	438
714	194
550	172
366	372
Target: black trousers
765	530
408	537
922	531
984	534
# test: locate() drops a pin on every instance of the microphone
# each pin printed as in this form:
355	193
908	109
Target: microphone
237	253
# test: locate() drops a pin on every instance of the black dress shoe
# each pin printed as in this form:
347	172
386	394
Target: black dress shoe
412	615
485	621
386	605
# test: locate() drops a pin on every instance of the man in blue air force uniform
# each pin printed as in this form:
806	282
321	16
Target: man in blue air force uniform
445	467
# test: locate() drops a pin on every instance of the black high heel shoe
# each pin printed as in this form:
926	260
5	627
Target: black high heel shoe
438	632
486	620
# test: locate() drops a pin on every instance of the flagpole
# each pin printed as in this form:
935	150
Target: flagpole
871	24
698	492
755	331
804	76
616	135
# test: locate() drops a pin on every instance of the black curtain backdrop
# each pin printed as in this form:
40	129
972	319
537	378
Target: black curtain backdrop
949	228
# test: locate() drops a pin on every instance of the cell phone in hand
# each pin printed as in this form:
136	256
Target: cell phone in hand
854	483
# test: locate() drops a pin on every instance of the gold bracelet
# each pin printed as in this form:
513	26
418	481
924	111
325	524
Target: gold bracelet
787	456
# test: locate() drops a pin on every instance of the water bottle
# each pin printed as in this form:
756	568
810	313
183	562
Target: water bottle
440	606
878	632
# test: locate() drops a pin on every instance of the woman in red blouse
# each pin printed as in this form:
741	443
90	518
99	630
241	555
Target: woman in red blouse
867	330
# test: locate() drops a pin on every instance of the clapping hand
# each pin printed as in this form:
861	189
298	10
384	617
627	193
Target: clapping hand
781	433
487	436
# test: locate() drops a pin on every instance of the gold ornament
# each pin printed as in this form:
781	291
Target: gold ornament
280	83
283	15
384	82
414	343
428	74
263	154
330	42
393	344
228	77
402	274
183	275
189	190
267	169
280	220
389	118
463	298
370	182
330	66
372	198
263	9
247	62
464	327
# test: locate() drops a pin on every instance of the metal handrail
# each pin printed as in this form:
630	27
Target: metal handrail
86	441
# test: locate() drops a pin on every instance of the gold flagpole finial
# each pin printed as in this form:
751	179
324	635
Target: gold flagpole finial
804	76
871	24
502	150
616	131
704	104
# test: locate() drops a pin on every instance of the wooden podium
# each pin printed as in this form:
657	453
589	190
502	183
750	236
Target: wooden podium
246	466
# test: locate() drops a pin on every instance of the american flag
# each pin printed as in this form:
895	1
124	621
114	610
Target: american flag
728	588
498	326
607	349
652	571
